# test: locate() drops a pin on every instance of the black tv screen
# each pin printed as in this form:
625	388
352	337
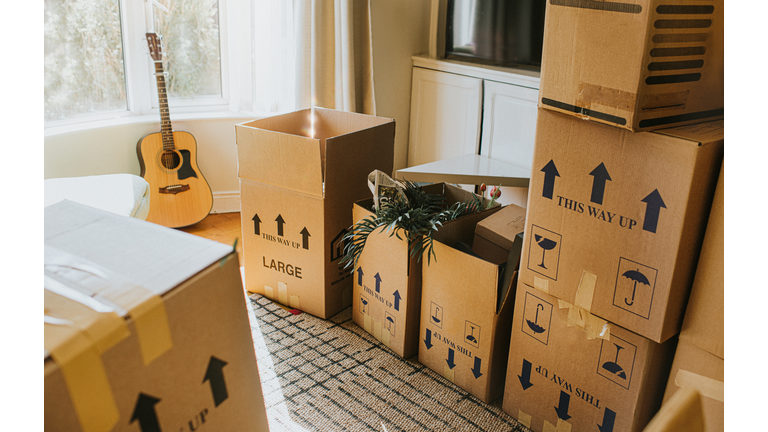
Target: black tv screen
498	32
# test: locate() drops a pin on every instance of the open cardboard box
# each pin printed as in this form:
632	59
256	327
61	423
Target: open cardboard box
299	175
146	328
387	280
466	311
571	370
616	219
638	64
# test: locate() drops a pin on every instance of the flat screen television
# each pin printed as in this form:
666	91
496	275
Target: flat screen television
498	32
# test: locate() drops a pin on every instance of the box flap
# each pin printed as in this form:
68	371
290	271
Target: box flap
149	255
701	133
280	151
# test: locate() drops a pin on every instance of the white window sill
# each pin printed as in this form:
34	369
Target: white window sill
151	118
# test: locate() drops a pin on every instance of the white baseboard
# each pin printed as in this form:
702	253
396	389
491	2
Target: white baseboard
226	202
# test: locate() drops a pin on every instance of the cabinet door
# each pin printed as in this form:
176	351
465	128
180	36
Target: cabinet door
509	123
509	131
445	116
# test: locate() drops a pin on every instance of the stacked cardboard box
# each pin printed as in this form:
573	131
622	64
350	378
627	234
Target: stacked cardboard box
468	300
387	279
617	209
299	174
700	358
146	328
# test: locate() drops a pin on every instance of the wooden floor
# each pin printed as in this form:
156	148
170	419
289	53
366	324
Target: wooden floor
222	227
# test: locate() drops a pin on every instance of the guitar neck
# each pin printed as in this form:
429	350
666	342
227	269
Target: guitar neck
165	116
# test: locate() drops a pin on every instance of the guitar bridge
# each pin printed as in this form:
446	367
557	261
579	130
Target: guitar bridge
174	189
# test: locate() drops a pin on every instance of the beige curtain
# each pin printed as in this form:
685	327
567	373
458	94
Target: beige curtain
333	55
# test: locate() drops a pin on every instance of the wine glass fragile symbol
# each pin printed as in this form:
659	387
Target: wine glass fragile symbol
545	244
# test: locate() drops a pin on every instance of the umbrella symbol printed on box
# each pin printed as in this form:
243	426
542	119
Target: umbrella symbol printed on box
613	366
635	276
535	324
545	244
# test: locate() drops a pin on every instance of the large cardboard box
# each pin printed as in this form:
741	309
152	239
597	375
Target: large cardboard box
700	358
616	219
387	280
146	328
300	173
571	370
638	64
466	314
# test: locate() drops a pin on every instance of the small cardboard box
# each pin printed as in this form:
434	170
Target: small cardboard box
704	372
570	370
300	173
616	219
700	358
639	65
146	328
466	315
495	234
387	281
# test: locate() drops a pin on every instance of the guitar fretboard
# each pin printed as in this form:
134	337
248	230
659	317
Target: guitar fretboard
165	117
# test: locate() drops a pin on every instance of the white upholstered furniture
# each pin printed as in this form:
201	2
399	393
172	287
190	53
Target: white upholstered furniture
123	194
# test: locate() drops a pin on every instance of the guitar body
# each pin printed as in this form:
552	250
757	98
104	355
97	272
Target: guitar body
179	194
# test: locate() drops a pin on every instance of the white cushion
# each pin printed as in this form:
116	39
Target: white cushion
123	194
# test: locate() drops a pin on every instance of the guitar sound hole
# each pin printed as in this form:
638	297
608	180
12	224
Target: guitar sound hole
170	159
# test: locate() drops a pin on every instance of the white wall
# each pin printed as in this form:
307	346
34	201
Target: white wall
400	29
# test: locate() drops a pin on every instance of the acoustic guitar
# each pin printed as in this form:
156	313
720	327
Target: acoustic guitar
179	194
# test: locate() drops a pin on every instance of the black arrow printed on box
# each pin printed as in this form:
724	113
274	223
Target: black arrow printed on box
145	413
562	408
214	374
609	418
256	224
600	176
280	221
654	203
550	172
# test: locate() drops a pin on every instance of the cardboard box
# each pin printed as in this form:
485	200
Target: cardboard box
571	370
300	173
616	219
466	315
682	413
146	328
387	280
704	322
701	371
700	358
495	234
639	65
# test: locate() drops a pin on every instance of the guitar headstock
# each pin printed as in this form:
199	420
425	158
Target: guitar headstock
155	46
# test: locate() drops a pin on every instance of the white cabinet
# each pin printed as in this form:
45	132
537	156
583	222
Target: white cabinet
460	108
445	116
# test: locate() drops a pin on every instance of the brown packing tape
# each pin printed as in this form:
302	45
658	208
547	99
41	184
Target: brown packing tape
586	290
83	371
294	302
449	374
562	426
541	284
282	292
594	327
75	344
524	419
614	98
708	387
145	308
269	292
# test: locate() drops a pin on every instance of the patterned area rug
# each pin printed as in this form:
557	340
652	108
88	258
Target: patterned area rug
331	375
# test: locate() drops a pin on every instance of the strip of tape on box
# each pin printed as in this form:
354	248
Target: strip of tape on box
111	290
708	387
78	357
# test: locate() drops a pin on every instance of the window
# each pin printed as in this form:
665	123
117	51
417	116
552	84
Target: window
97	62
84	66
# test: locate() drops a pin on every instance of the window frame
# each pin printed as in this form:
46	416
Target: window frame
236	100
